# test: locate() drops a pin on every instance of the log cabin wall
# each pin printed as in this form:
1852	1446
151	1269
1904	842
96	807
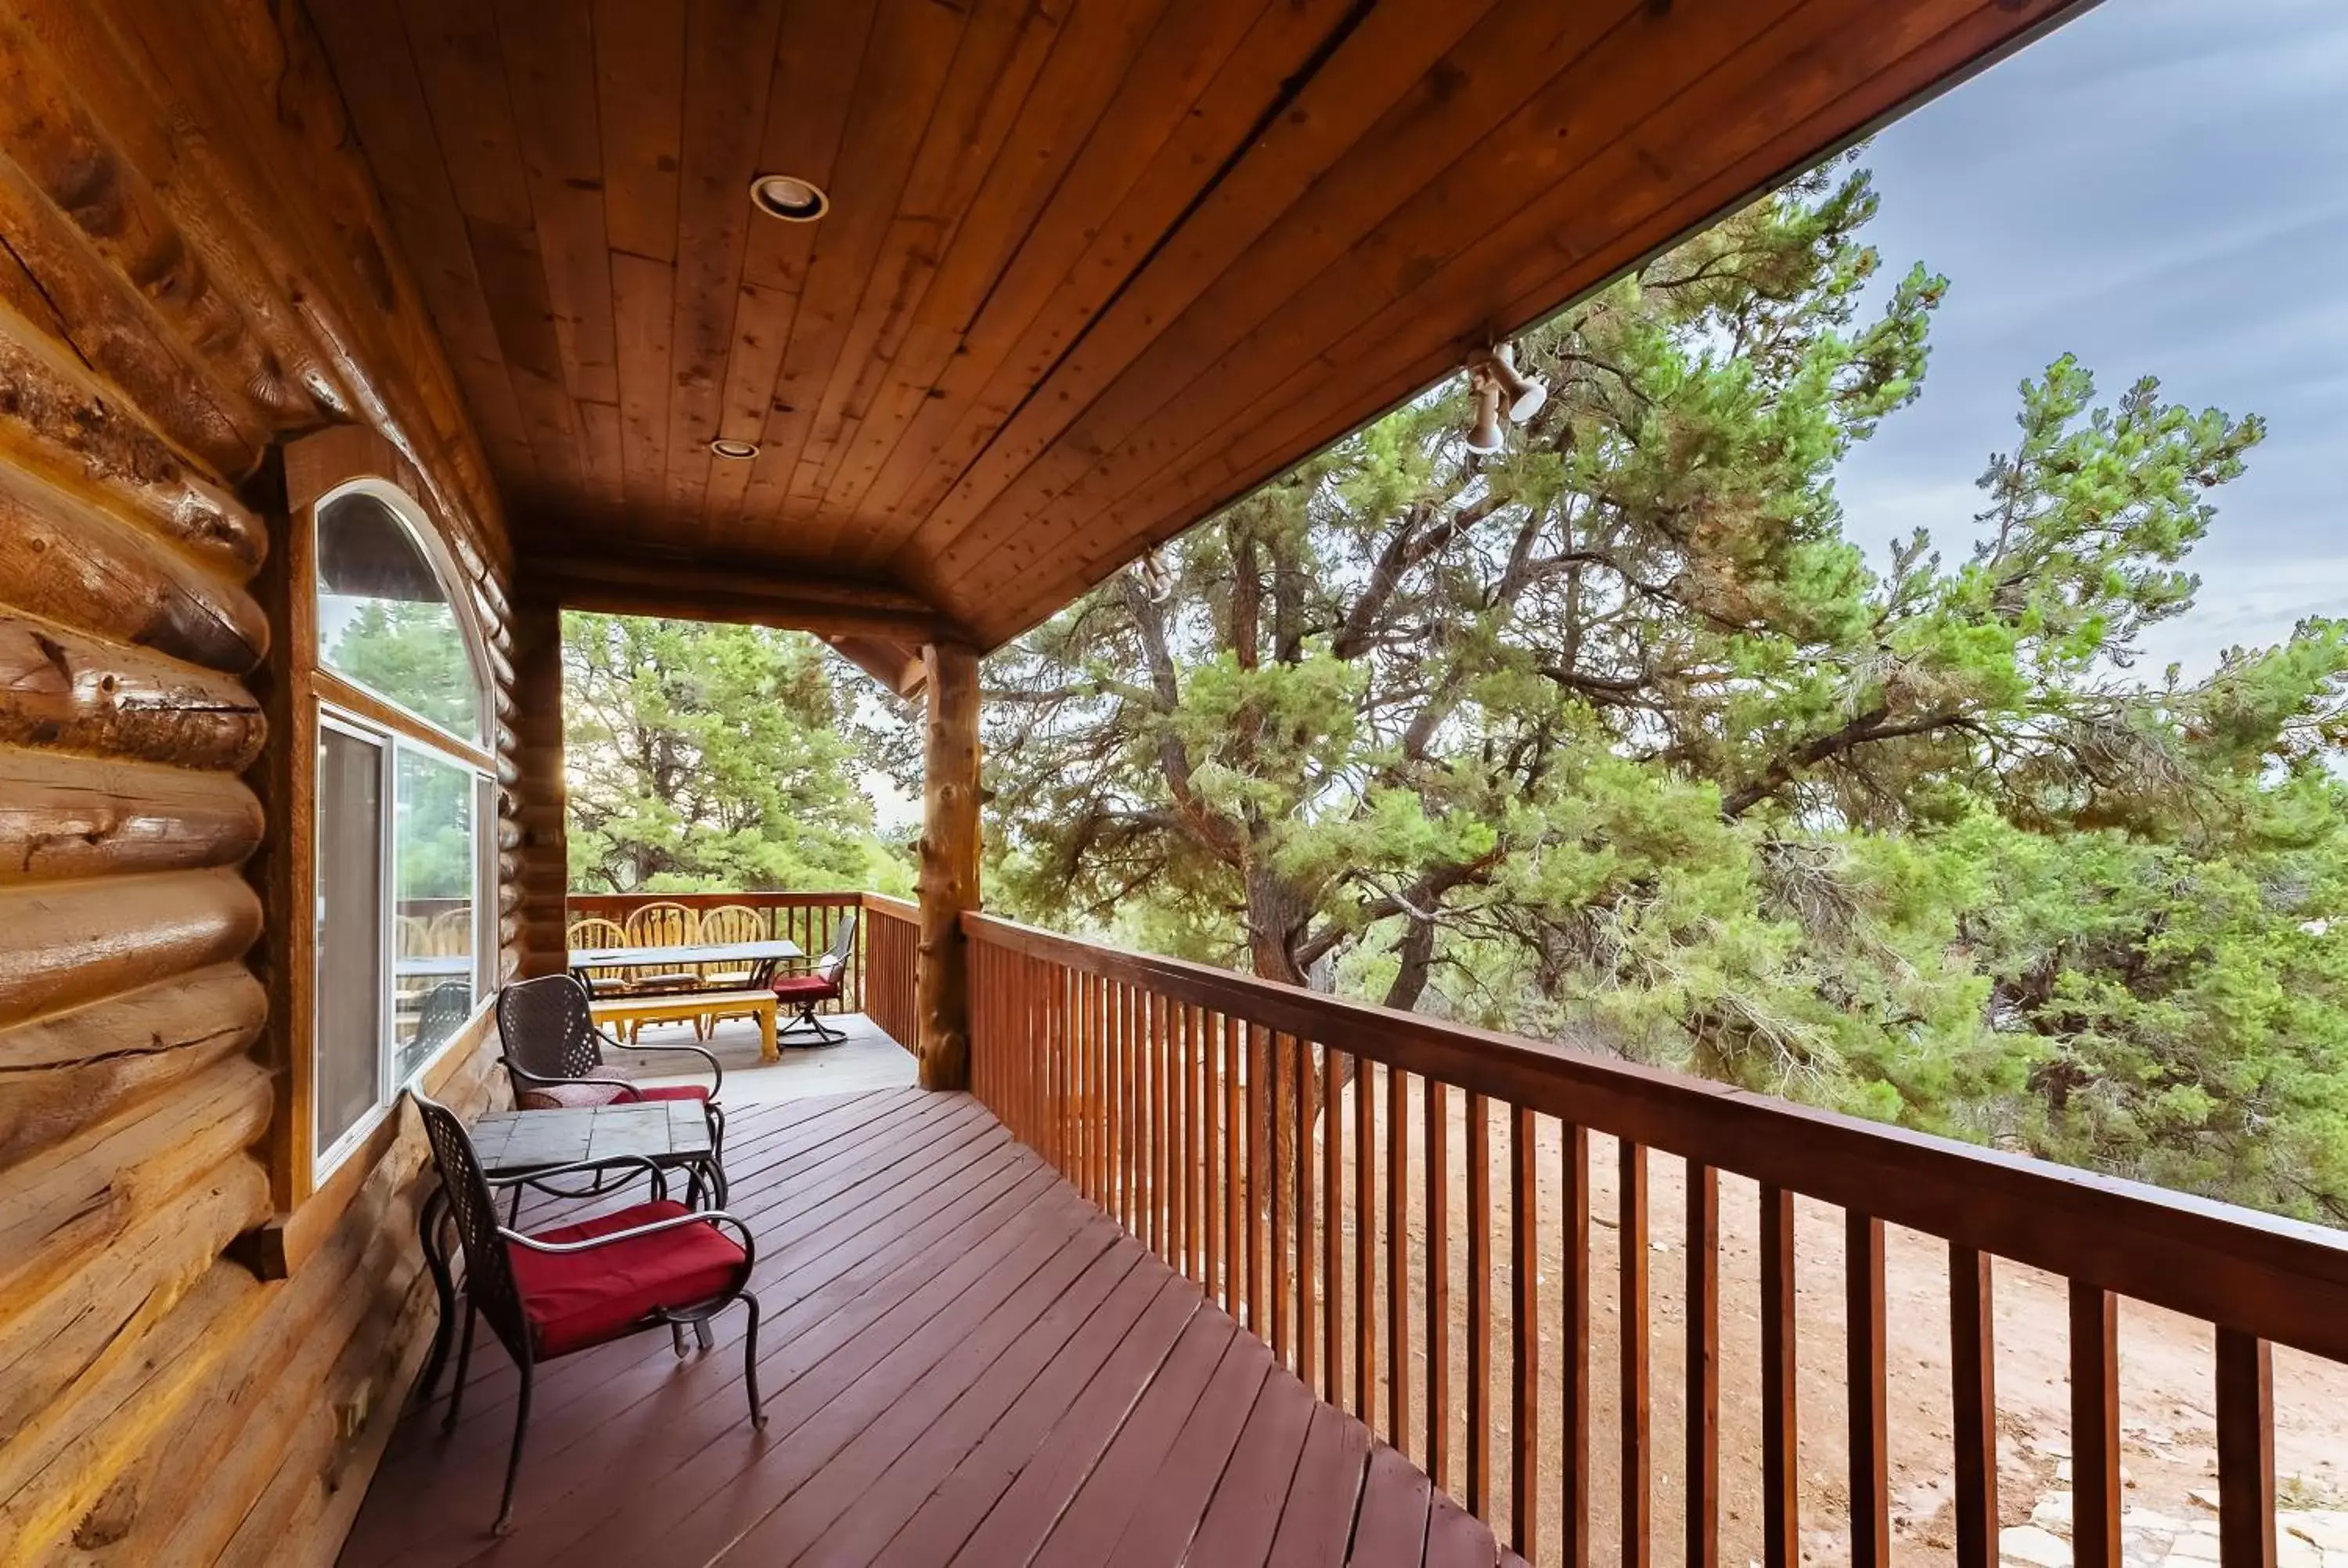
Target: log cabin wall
199	1358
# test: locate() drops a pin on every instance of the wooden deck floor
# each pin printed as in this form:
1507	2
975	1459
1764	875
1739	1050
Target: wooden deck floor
963	1362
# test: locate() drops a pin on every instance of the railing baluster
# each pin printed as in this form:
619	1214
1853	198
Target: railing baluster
1863	1378
1703	1365
1194	1173
1573	1351
1162	1132
1258	1119
1480	1308
1524	1335
1972	1370
1398	1259
1333	1067
1307	1096
1366	1232
1284	1200
2246	1486
1436	1198
2095	1427
1631	1233
1213	1173
1781	1480
1234	1178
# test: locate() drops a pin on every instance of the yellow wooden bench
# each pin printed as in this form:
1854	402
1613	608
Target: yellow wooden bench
673	1007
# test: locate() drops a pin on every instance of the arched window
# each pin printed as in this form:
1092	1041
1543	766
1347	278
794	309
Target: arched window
384	620
405	934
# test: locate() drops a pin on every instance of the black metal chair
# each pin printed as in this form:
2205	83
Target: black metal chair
819	985
570	1287
553	1055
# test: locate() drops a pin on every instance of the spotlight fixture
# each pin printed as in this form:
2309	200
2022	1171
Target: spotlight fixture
789	197
1484	439
1526	393
738	451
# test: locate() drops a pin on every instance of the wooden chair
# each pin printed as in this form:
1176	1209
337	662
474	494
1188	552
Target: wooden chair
663	925
730	923
821	984
548	1293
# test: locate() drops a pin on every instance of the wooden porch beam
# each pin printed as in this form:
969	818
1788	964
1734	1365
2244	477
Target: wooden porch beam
896	665
540	803
762	596
949	871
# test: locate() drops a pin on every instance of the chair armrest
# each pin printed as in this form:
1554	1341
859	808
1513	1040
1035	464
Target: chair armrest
704	1216
716	1072
614	1162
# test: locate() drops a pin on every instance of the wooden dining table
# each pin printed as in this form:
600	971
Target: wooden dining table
759	958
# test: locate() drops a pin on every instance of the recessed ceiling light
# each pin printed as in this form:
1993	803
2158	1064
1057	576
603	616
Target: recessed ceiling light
739	451
789	197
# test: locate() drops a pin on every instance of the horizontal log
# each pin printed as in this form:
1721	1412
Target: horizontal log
59	1473
63	688
65	560
65	817
65	1204
47	133
2275	1279
105	323
124	1287
65	944
70	1070
57	423
756	595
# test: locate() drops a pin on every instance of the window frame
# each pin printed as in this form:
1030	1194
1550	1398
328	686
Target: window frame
347	692
336	701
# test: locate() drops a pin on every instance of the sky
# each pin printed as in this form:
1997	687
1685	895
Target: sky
2159	186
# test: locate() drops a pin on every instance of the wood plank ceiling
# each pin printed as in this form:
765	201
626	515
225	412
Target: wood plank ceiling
1093	267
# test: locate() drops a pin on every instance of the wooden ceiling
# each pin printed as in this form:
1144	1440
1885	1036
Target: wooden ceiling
1093	267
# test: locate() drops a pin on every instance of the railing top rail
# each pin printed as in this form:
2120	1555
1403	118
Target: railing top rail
903	908
756	897
2278	1278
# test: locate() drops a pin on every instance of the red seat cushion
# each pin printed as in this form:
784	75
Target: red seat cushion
670	1091
806	988
580	1298
556	1096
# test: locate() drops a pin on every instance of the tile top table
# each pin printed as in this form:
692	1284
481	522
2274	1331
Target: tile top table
509	1143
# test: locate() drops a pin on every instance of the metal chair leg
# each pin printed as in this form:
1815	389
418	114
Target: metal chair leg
703	1337
464	1368
677	1337
750	1362
504	1525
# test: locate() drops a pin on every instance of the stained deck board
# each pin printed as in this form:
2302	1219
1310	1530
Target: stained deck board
963	1360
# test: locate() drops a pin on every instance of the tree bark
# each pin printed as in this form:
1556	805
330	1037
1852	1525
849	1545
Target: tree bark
949	872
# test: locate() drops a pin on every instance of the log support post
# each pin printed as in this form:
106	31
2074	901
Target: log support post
949	872
540	803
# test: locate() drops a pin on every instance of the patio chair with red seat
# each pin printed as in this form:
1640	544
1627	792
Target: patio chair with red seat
553	1054
819	985
570	1287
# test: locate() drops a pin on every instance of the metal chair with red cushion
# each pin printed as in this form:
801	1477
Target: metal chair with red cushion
819	985
550	1292
553	1054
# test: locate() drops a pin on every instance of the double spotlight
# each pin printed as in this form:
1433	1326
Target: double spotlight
1500	389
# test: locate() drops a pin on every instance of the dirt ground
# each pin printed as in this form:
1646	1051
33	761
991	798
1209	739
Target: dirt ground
2166	1364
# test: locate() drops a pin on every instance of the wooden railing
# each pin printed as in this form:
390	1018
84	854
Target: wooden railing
891	932
1314	1163
809	919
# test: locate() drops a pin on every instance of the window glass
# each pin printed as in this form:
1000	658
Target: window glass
350	932
433	858
383	619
